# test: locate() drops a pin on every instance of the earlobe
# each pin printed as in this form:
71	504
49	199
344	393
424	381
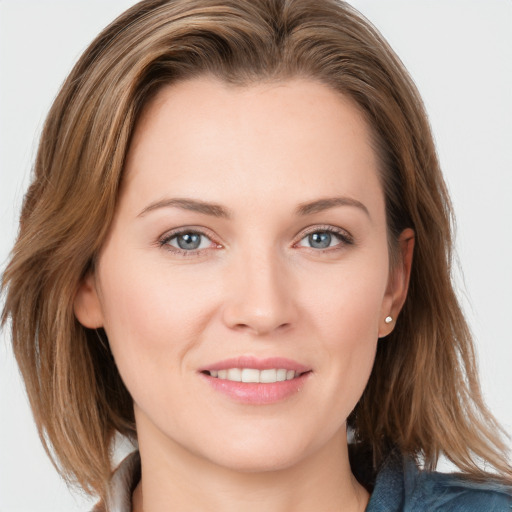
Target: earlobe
87	305
398	283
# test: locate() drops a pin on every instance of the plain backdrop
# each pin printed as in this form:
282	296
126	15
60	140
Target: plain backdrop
459	54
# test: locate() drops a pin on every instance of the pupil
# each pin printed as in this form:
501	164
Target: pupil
320	240
189	241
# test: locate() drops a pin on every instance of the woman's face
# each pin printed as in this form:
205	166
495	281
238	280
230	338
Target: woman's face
250	236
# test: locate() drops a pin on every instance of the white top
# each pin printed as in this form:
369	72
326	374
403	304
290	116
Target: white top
123	482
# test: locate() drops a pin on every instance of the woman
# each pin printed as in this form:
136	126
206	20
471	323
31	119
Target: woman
231	191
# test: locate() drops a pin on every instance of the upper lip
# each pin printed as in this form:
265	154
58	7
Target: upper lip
257	363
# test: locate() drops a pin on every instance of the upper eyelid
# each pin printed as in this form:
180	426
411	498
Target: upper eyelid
168	235
203	230
322	228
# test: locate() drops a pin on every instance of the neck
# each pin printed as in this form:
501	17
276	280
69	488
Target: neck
173	478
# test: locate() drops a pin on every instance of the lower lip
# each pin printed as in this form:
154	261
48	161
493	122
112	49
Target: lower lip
257	393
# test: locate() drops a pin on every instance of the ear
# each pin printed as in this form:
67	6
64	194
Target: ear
398	283
87	306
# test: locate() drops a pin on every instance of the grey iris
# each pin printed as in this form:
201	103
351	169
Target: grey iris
320	240
189	241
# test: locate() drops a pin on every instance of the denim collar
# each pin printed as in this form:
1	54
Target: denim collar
401	487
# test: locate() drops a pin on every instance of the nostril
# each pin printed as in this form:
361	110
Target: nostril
261	328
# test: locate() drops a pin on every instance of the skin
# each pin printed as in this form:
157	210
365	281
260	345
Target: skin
255	287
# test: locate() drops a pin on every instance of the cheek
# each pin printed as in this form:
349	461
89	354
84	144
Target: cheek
347	301
152	317
345	316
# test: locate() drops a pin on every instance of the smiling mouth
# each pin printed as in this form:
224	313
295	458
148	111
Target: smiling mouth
253	375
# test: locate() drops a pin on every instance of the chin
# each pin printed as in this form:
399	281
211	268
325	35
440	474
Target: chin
260	453
259	461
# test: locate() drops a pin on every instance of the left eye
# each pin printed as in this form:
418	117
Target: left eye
321	240
189	241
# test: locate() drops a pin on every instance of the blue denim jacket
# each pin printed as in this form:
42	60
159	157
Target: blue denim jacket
401	487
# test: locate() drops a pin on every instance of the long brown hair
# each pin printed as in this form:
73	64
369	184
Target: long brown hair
423	396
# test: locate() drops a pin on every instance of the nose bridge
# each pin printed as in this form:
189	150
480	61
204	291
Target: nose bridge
260	295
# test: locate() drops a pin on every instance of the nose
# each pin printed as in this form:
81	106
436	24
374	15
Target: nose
260	295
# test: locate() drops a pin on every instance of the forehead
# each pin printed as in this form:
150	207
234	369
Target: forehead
298	137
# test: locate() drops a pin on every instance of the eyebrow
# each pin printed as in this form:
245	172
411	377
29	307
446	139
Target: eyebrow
324	204
216	210
194	205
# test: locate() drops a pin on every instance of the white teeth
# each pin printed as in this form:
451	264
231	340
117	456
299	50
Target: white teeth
250	375
281	375
253	375
234	374
268	376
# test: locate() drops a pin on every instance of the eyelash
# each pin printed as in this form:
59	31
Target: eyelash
343	236
164	242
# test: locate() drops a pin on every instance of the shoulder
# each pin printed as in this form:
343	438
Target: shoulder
402	487
453	493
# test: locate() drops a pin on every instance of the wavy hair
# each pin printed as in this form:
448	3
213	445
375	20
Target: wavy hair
423	396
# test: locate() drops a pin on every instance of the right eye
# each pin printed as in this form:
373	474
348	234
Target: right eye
187	241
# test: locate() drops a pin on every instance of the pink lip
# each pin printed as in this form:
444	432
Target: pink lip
257	393
259	364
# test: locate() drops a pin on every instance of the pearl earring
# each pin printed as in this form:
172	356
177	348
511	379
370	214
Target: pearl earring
388	319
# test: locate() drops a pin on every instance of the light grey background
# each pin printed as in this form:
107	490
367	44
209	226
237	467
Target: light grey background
460	54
